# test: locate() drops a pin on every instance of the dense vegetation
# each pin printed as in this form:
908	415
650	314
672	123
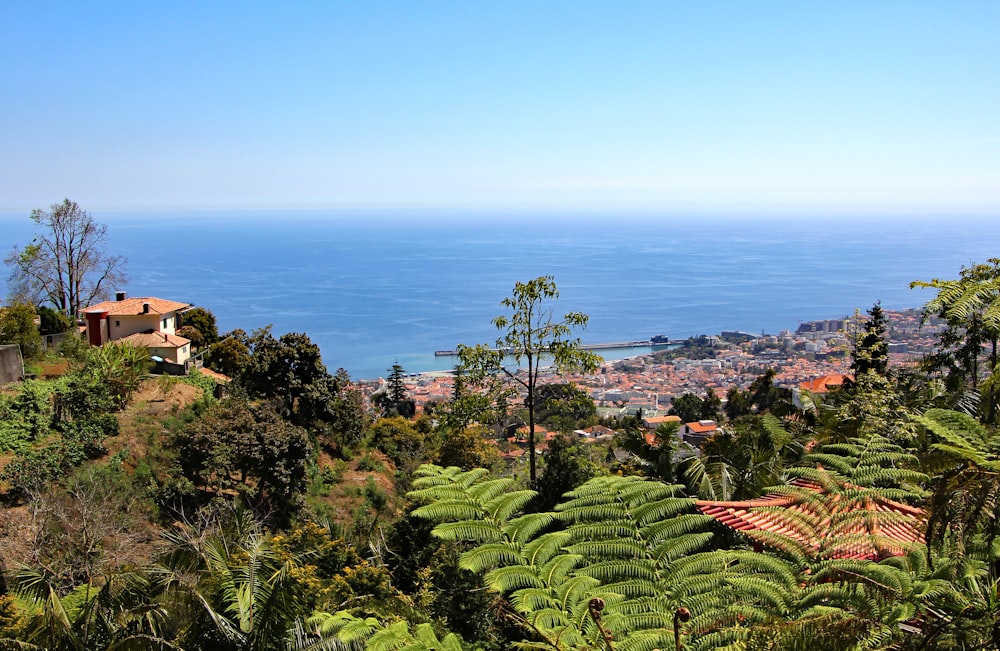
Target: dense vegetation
145	513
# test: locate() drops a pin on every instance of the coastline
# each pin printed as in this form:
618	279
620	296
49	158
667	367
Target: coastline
649	380
370	296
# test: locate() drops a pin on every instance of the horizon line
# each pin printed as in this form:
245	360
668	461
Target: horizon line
513	208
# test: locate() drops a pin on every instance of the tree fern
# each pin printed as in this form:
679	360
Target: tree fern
342	631
484	557
965	457
635	546
616	541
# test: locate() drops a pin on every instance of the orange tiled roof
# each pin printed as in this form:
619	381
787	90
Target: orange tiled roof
889	536
825	383
136	306
700	428
153	339
658	420
599	430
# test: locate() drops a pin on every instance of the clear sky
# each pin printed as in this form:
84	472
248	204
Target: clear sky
704	105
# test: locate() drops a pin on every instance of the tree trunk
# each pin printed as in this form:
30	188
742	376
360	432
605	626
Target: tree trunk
530	403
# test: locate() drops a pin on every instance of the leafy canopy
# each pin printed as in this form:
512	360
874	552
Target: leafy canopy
530	337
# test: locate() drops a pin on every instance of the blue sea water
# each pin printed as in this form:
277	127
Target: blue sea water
373	287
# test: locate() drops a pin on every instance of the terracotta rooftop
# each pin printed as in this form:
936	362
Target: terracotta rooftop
875	538
597	430
659	420
824	384
153	339
136	306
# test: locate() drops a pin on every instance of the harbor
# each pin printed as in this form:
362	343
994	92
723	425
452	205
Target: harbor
652	342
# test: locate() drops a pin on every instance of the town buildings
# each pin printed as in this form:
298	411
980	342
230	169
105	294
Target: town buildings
649	383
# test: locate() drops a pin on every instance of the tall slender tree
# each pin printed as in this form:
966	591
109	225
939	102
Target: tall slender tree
533	338
395	399
871	350
396	387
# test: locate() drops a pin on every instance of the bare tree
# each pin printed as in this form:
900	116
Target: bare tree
91	527
67	264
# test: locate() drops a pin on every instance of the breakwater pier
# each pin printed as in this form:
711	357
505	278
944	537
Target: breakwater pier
657	340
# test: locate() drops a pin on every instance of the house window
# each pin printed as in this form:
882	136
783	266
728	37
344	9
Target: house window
165	323
118	324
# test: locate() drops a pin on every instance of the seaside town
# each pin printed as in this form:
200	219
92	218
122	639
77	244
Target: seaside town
687	317
648	383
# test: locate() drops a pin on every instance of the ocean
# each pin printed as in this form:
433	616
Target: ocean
374	287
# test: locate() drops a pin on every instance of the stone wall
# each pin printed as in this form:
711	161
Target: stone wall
11	364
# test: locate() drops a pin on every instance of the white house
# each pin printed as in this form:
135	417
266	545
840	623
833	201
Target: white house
145	321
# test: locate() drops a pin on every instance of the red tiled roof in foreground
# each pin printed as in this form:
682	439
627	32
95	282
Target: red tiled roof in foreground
137	306
891	531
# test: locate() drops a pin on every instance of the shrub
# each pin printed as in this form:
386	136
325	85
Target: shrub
368	463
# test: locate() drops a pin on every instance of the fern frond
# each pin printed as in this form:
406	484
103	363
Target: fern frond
799	550
477	531
599	512
610	548
644	640
448	510
550	619
604	529
531	600
675	527
428	641
648	619
651	512
763	590
632	589
673	548
875	576
391	638
486	557
956	429
505	580
489	489
555	571
618	570
961	452
838	461
429	475
639	491
541	549
519	530
780	437
503	506
575	592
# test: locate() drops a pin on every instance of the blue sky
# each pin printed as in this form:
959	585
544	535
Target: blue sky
724	106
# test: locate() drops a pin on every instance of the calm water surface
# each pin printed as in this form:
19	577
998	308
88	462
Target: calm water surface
375	287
